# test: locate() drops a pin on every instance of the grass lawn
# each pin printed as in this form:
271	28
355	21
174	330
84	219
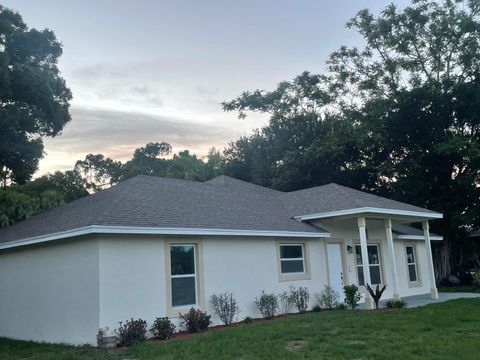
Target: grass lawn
449	330
459	288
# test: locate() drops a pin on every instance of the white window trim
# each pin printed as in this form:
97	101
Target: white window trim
380	264
305	275
417	283
174	311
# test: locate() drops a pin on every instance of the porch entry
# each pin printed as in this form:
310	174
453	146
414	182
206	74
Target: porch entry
335	268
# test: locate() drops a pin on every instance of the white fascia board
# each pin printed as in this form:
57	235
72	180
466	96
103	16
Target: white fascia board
419	237
383	211
97	229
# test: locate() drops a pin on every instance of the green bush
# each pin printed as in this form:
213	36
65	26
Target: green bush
285	302
476	279
267	304
328	298
162	328
248	320
352	296
195	320
396	304
316	308
131	332
300	298
225	306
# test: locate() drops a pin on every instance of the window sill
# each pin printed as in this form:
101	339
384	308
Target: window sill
294	277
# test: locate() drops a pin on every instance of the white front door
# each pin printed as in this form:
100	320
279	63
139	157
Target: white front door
335	269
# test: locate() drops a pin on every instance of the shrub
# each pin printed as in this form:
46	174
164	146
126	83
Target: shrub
267	304
316	308
396	304
162	328
225	306
476	279
131	332
352	296
340	307
300	298
328	298
285	302
195	320
248	320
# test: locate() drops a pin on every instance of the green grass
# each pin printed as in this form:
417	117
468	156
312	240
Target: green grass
459	288
447	330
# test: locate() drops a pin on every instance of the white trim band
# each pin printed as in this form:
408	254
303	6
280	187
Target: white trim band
98	229
419	237
373	210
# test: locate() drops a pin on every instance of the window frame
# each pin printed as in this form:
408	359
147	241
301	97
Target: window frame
380	263
184	276
418	282
305	275
174	311
293	259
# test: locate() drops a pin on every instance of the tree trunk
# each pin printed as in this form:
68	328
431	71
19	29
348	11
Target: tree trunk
442	259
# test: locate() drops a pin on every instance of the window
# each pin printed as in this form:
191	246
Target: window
411	263
374	261
183	275
292	258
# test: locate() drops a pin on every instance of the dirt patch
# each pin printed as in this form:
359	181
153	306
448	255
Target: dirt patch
297	345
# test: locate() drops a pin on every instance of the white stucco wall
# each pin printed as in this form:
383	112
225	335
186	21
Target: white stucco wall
49	292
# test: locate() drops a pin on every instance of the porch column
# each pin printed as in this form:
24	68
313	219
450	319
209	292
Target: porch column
362	225
431	271
391	255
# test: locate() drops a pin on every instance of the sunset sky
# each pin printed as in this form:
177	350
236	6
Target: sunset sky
147	71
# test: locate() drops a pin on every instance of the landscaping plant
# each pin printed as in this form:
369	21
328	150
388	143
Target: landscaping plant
131	332
285	302
162	328
352	296
328	298
300	298
267	304
396	304
476	279
195	320
377	294
225	306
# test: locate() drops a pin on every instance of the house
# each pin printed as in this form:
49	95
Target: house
152	246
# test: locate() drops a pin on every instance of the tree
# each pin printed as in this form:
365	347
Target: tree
34	99
398	117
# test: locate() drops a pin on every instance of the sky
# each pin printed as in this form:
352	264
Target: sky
151	71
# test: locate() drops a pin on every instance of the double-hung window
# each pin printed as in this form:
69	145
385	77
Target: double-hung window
411	264
183	274
373	251
292	259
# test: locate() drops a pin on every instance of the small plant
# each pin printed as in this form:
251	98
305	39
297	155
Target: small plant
248	320
267	304
196	320
225	306
131	332
340	307
396	304
328	298
285	302
300	298
162	328
476	279
316	308
352	296
377	294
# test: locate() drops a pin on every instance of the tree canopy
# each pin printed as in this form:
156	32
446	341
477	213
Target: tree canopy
34	99
398	116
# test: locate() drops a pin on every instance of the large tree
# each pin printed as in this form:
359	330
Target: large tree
34	100
398	116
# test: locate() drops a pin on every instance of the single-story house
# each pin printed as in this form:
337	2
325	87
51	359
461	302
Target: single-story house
151	247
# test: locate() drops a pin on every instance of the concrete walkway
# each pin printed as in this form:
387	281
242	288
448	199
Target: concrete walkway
421	300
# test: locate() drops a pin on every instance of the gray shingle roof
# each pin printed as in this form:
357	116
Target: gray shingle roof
221	203
334	197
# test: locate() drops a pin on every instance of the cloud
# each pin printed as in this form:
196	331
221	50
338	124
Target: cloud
117	134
